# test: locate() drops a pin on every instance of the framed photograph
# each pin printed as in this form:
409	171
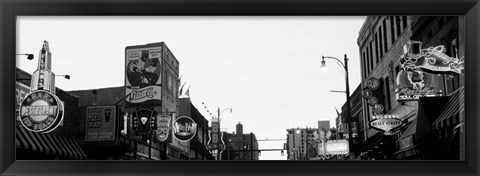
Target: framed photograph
239	88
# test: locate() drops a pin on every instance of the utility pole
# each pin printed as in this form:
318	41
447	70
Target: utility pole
251	146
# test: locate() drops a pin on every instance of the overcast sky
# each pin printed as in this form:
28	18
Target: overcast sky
267	69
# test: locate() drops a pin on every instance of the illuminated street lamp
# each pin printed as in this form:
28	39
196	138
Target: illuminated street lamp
347	93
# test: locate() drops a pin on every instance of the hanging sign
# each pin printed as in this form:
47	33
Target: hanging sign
386	123
415	79
101	123
432	59
143	121
164	128
373	83
41	111
184	128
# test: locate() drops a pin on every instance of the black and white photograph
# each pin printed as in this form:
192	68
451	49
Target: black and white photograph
241	88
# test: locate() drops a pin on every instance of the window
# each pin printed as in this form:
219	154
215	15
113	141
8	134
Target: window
392	29
364	64
385	43
397	23
388	106
371	57
377	49
368	60
380	42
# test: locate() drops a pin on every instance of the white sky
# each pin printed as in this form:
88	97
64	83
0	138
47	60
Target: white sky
266	68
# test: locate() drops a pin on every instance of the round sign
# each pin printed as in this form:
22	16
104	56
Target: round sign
184	128
373	83
367	93
41	111
372	101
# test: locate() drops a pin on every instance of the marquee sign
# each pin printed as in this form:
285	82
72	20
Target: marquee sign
41	110
386	123
184	128
337	147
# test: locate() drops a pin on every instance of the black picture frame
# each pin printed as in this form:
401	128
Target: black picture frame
11	8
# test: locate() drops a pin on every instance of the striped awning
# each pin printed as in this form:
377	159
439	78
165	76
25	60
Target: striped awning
47	143
411	129
453	106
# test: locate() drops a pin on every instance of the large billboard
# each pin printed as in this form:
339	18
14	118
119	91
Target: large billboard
143	73
100	123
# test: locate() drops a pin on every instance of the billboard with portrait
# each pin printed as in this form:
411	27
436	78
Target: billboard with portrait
143	73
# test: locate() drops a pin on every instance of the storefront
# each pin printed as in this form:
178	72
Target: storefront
435	133
408	149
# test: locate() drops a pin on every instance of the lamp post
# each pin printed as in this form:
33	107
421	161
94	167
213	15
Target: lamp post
219	157
347	93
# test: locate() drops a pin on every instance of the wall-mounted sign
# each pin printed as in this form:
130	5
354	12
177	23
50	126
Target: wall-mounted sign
386	123
147	95
143	66
184	128
373	94
373	83
337	147
414	84
41	111
164	128
101	123
143	121
432	59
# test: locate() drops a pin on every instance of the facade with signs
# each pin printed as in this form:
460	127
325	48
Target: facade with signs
417	60
198	149
60	143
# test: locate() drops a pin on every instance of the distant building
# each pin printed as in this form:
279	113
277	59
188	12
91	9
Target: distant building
299	143
241	146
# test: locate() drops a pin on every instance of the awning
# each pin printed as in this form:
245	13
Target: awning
48	143
411	129
453	106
